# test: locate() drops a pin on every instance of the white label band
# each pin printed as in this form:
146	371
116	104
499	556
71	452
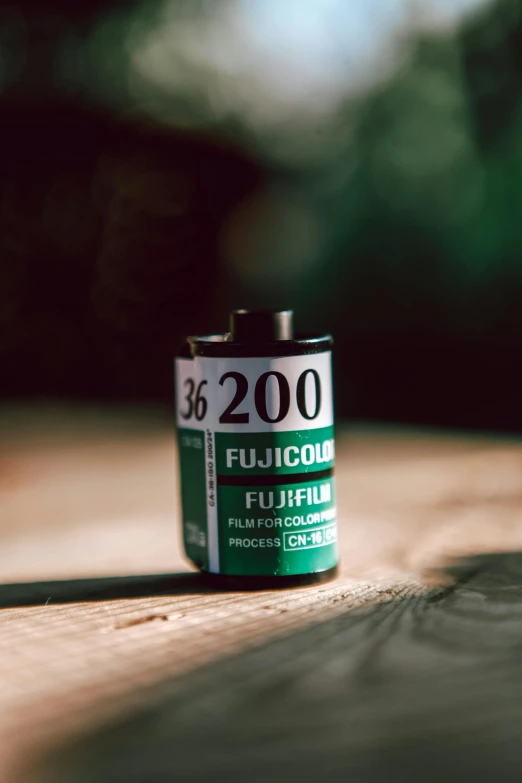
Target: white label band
210	386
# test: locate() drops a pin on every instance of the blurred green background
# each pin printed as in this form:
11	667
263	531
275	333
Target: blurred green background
361	162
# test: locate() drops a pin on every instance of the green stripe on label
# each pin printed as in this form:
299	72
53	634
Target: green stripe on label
191	444
276	512
283	530
269	453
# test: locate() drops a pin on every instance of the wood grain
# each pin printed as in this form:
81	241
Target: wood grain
407	666
420	687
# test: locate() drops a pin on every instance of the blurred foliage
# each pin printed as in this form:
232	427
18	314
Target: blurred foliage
165	161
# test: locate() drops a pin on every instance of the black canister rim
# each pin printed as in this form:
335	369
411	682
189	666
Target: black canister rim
219	346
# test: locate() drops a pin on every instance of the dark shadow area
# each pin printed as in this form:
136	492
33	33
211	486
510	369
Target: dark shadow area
421	688
108	588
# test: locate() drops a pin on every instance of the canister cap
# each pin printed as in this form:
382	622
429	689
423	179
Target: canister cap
259	326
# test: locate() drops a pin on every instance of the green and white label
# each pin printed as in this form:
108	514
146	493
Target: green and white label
256	451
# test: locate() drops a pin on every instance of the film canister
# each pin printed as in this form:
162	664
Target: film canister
254	409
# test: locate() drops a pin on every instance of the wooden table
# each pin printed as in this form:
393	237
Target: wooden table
117	666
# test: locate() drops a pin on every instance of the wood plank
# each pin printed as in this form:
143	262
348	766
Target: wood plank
87	508
421	687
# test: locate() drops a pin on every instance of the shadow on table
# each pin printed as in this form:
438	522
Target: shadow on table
102	589
420	688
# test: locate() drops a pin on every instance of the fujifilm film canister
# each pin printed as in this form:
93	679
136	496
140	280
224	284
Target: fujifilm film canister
254	411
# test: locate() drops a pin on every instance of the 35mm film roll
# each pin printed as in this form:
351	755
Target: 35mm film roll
254	411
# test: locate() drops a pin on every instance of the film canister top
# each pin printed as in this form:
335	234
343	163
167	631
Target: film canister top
254	411
261	326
